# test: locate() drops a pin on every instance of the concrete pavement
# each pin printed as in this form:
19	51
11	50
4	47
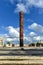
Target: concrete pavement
17	56
18	51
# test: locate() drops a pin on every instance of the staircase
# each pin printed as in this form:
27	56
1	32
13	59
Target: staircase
21	60
11	56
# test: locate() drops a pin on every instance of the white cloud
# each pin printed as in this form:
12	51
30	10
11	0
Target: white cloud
17	29
20	7
29	20
37	3
24	5
12	31
9	39
13	36
32	34
36	27
37	38
30	39
27	39
12	39
4	35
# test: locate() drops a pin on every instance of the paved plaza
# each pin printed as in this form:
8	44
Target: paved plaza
21	56
22	51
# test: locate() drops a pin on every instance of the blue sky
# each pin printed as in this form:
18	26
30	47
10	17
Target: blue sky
33	20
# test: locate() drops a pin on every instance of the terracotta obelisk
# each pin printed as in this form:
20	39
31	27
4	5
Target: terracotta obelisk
21	28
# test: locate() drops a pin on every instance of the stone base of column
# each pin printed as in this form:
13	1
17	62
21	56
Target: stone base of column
21	42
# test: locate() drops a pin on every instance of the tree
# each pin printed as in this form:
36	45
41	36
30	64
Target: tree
33	44
8	43
38	44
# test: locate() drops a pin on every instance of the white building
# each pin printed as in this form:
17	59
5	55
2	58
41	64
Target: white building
1	42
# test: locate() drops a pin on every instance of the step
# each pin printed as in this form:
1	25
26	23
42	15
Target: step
21	60
22	57
14	62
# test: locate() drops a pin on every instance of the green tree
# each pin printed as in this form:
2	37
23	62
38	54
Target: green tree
33	44
38	44
8	43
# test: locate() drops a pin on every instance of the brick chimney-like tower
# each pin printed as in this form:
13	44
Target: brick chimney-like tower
21	28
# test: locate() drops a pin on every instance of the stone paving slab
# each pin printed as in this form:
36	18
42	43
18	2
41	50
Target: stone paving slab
22	57
19	60
23	62
14	62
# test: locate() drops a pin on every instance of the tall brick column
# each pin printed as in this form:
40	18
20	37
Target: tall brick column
21	28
